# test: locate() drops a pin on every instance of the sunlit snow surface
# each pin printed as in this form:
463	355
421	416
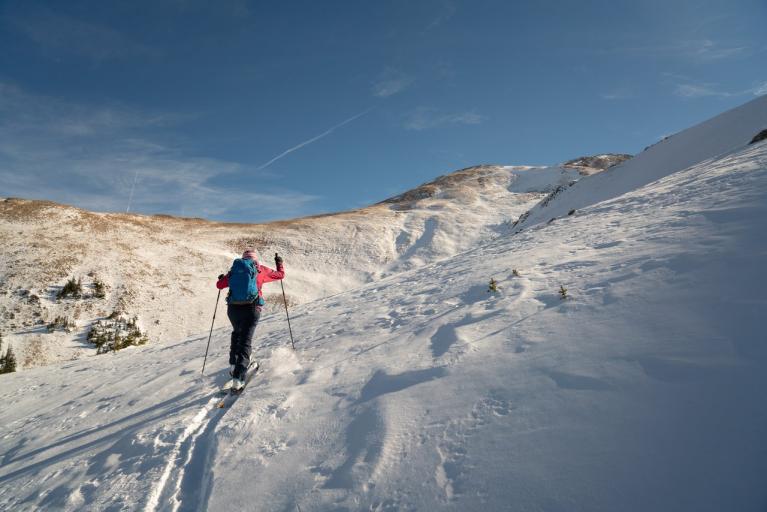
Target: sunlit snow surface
153	266
643	390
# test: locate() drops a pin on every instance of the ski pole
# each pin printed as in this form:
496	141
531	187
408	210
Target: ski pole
285	300
211	333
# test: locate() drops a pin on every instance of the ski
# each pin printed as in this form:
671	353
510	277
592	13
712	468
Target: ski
248	377
232	393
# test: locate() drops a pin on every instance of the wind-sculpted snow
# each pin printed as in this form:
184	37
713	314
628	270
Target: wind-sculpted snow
643	390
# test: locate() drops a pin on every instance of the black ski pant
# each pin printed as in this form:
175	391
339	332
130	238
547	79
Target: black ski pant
244	318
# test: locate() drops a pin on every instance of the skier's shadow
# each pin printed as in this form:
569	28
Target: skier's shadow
144	417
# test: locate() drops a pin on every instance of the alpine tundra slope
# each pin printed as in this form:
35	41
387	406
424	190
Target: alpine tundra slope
148	266
643	389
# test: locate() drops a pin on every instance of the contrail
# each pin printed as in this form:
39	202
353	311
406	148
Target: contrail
313	139
133	187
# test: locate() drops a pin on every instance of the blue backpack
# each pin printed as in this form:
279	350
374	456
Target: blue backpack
243	284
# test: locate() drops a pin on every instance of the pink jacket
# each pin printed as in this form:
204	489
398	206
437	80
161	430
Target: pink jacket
265	275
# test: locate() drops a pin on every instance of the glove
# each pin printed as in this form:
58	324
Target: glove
221	276
277	260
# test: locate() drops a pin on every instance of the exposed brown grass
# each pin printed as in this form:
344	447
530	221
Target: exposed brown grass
21	210
276	301
34	353
477	173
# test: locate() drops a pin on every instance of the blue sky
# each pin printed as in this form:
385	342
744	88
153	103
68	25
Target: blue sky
255	111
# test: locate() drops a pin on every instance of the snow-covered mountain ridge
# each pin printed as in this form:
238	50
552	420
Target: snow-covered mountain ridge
710	139
643	390
161	268
596	163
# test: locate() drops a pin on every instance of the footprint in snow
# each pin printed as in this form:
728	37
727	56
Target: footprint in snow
450	473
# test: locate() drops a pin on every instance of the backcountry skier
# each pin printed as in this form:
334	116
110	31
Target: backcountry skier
244	303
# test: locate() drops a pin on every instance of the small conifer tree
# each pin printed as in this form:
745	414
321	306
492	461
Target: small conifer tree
493	286
515	272
72	287
9	361
61	322
116	333
562	292
99	289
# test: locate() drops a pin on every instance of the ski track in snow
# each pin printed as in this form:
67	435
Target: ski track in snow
183	460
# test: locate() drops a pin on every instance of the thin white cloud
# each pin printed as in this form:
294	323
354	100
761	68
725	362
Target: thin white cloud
425	118
444	14
70	119
759	89
706	49
700	50
313	139
698	91
690	89
391	82
110	156
621	93
231	8
58	34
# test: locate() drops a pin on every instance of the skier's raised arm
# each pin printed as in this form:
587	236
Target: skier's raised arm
272	275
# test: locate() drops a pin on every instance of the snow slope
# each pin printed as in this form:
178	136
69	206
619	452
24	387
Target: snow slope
706	140
644	390
151	265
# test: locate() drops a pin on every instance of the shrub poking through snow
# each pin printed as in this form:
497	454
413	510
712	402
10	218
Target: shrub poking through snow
116	333
521	218
99	289
762	135
493	286
562	292
554	193
71	288
515	272
61	322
